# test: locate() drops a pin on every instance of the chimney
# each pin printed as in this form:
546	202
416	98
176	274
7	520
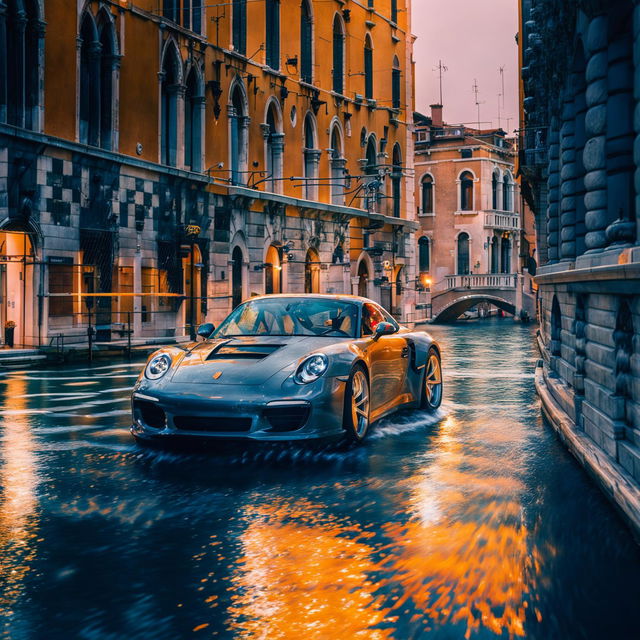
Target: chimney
436	115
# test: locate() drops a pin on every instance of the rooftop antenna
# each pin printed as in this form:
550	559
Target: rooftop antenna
499	119
476	90
502	83
441	69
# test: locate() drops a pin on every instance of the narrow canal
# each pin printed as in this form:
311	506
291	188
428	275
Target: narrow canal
476	524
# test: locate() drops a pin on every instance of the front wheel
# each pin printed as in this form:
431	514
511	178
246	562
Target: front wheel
432	382
356	405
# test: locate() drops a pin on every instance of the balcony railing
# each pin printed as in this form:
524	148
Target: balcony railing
482	281
502	220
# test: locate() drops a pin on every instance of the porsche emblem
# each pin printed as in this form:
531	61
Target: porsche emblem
217	374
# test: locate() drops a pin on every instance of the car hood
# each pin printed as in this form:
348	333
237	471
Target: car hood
247	360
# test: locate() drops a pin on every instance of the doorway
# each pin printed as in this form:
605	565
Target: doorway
273	271
237	260
312	272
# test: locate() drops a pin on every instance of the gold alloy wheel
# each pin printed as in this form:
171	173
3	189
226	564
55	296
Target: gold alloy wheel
433	382
360	403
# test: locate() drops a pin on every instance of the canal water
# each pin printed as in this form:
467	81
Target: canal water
473	524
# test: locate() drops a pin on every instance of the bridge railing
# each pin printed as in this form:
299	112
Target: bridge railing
501	220
482	281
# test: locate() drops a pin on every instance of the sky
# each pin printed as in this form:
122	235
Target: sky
473	38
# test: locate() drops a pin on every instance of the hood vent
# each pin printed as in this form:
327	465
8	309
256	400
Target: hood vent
243	352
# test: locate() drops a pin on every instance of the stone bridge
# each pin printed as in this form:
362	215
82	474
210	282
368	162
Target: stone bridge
460	293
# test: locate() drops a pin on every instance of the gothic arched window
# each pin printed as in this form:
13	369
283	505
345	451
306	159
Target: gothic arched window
169	106
466	191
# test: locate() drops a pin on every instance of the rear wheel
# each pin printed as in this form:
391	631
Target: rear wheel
357	405
432	382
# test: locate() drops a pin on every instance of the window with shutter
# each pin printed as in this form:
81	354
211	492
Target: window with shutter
306	43
240	26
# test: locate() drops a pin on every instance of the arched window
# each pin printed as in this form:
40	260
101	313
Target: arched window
463	253
368	67
275	149
427	194
21	72
396	76
311	159
89	93
193	107
169	106
507	204
108	80
505	256
239	26
338	164
273	33
338	55
396	181
424	255
371	190
494	190
238	136
306	42
312	272
466	191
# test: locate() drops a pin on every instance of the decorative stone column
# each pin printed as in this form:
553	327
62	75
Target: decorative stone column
568	182
180	91
277	153
312	165
3	63
338	170
594	157
553	183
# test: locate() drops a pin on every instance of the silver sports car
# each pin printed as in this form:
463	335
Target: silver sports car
288	367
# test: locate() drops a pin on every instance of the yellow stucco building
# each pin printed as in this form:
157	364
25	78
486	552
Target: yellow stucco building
162	161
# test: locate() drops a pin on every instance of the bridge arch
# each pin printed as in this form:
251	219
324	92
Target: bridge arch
454	310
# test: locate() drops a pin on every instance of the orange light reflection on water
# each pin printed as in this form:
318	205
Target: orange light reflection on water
18	500
304	574
464	556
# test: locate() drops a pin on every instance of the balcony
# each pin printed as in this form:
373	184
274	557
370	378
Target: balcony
505	220
482	281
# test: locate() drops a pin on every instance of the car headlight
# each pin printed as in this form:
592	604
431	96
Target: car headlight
311	369
158	366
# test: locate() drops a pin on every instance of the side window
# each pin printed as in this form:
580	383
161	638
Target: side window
371	316
387	317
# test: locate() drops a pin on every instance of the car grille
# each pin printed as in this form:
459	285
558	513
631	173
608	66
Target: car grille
283	419
150	414
214	424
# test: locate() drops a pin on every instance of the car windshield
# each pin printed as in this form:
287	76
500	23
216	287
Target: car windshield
291	317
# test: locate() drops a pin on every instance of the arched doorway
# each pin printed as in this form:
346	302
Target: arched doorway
363	280
17	293
463	253
237	265
312	272
495	255
273	271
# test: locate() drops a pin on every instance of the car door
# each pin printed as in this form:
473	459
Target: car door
388	359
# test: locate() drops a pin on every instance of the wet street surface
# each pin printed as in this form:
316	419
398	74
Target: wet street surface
474	524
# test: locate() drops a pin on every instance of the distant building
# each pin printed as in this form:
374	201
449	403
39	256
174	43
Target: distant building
162	161
470	247
581	176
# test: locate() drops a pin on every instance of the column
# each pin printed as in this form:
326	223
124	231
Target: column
594	156
3	63
338	170
636	119
567	182
553	182
178	134
312	164
277	151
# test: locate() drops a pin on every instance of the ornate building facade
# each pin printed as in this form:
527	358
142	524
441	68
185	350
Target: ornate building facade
161	162
470	246
581	176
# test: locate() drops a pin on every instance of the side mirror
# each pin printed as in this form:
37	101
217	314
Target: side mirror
384	329
205	330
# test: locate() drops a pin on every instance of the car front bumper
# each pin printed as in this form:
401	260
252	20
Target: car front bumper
236	412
